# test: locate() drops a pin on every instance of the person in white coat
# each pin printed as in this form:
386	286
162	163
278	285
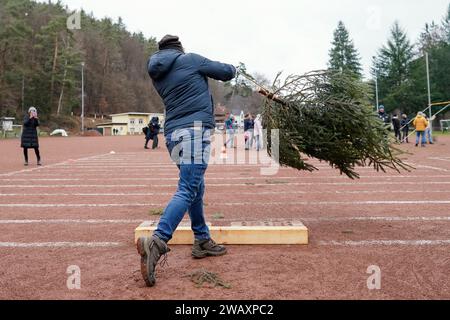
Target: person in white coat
258	132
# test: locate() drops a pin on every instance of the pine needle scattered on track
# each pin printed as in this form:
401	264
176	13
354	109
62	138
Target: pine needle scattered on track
156	212
202	276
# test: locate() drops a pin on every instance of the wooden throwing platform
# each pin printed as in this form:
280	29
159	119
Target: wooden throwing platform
263	233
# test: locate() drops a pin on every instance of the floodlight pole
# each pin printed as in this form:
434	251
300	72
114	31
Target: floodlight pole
82	97
376	89
429	90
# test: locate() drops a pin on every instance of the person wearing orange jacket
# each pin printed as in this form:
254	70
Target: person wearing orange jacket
421	124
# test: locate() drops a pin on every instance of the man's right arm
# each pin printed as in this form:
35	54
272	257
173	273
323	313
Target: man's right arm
214	69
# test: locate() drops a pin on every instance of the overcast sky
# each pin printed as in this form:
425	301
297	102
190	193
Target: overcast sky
270	36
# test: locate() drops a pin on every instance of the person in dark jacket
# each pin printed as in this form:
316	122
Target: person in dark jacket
405	128
230	131
396	125
249	126
383	115
152	133
30	138
182	82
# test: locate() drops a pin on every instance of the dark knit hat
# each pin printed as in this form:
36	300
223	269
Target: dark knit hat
170	42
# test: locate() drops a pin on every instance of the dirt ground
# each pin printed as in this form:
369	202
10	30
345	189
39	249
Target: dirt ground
81	209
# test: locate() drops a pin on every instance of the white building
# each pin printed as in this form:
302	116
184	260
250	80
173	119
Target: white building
130	123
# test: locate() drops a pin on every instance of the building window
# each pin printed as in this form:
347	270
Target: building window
141	121
132	121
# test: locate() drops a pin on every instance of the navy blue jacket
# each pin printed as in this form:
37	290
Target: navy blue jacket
249	124
405	125
182	82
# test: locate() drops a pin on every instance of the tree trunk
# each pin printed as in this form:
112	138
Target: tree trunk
55	60
62	89
66	45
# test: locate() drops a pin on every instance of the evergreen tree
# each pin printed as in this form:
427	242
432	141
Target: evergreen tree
343	55
446	25
432	36
392	66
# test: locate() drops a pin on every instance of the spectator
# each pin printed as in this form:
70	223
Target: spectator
397	126
154	129
383	115
249	125
405	128
421	124
30	138
146	131
229	127
428	133
258	131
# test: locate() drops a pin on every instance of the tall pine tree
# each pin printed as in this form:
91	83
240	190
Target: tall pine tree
343	55
392	66
432	36
392	63
446	25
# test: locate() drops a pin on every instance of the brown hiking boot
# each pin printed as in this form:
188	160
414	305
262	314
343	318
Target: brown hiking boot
207	248
151	250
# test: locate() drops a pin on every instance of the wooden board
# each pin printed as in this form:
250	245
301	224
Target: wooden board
237	234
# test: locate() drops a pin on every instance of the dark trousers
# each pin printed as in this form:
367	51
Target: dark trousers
398	135
155	141
36	150
405	136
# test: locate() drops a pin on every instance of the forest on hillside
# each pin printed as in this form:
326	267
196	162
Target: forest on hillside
41	65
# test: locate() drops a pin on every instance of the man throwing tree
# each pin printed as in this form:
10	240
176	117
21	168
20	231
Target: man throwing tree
182	82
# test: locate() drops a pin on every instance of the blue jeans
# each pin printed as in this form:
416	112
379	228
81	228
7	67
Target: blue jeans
230	138
429	135
418	134
190	150
258	143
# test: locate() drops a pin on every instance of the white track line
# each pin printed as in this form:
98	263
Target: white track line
39	168
387	219
368	243
138	221
270	179
356	183
80	186
226	204
440	159
433	168
60	245
146	194
71	221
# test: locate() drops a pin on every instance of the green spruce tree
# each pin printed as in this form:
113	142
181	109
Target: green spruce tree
343	55
446	25
392	68
432	36
392	63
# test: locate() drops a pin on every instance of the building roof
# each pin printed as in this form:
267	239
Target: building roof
8	118
110	124
134	114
